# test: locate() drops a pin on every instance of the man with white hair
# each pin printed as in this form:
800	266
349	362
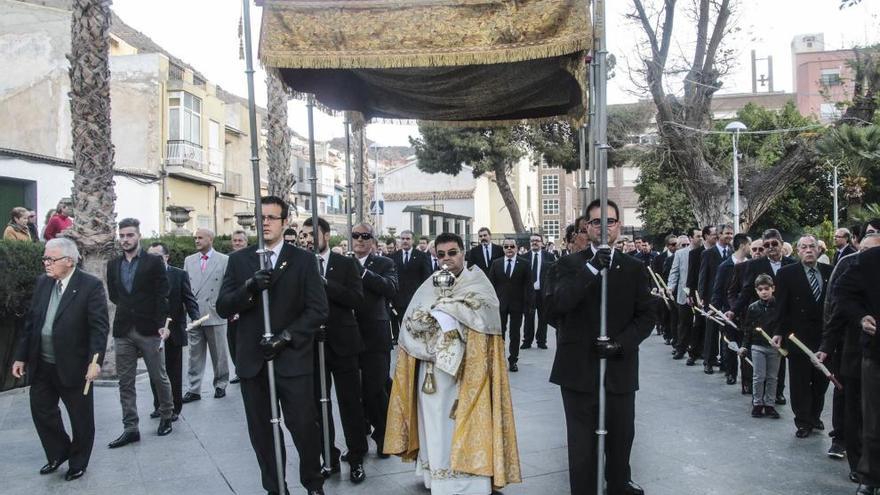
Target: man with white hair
205	268
62	348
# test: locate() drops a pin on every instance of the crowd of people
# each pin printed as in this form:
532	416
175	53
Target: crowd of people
459	316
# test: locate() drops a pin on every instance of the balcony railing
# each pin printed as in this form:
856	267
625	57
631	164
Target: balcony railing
186	154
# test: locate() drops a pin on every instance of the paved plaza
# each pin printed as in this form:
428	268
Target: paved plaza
694	435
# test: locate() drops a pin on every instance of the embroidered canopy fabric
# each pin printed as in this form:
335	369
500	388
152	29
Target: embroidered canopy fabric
439	60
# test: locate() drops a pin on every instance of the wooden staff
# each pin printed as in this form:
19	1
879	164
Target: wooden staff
89	382
770	341
733	346
162	339
660	288
197	323
816	363
723	317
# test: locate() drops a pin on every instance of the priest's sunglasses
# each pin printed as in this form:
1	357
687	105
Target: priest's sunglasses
361	235
452	253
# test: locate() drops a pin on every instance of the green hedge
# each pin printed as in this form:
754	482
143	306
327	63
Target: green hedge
180	247
19	267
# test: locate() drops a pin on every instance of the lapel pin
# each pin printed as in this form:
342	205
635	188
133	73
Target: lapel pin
282	266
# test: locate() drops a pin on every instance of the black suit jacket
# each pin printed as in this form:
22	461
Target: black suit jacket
181	303
710	260
577	296
695	256
79	331
513	291
753	268
410	276
838	255
840	333
146	307
722	280
735	285
345	294
798	311
859	295
297	304
547	260
476	256
380	287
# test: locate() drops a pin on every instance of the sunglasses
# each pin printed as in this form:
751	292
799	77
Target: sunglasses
451	253
770	244
757	250
686	244
598	221
362	235
509	247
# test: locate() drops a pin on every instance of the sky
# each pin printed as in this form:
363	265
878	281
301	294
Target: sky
204	33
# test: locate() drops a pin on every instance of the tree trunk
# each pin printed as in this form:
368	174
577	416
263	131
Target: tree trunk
281	180
93	194
507	195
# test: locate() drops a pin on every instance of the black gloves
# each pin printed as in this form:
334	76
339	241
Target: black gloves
602	259
259	282
608	349
272	346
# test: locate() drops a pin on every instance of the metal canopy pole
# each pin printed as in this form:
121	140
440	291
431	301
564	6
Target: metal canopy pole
601	102
348	192
261	243
322	335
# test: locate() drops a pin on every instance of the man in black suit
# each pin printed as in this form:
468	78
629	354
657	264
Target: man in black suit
138	286
484	253
181	302
800	298
842	244
710	260
297	308
858	300
739	254
667	317
576	367
769	263
512	279
380	286
703	240
539	261
65	329
239	242
413	267
345	294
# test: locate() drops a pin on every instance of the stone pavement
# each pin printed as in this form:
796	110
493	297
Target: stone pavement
694	435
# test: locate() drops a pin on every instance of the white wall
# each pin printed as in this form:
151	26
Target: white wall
54	182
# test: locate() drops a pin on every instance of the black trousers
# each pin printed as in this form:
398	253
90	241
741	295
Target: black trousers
231	334
853	421
296	396
344	372
581	419
375	372
516	319
396	319
46	391
685	329
710	341
838	403
869	463
672	319
174	369
529	332
807	389
698	337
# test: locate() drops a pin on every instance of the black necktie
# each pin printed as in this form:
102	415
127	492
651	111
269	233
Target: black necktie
486	251
321	259
435	264
509	270
405	257
534	267
814	285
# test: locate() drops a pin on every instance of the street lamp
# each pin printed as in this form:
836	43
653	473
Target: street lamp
735	127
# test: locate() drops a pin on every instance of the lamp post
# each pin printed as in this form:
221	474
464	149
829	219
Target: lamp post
836	206
735	127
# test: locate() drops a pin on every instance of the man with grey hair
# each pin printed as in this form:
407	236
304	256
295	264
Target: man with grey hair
710	260
800	298
413	267
676	283
842	245
205	268
239	240
61	348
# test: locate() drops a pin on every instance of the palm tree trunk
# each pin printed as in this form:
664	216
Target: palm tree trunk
509	198
93	195
281	180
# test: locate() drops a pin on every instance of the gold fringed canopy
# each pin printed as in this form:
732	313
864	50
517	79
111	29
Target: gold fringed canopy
460	61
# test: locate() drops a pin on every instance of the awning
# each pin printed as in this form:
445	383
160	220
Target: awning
468	61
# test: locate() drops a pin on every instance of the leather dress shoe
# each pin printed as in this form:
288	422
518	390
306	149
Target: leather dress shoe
175	417
866	490
164	427
691	361
190	397
52	466
747	389
803	432
316	491
836	451
542	346
235	380
770	412
525	346
334	468
707	369
514	368
357	474
819	425
632	489
757	411
74	474
219	393
731	380
155	414
780	400
854	476
676	355
126	438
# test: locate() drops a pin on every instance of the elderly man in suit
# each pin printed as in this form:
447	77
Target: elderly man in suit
630	313
205	268
297	308
539	261
181	302
484	253
677	282
137	284
61	348
512	280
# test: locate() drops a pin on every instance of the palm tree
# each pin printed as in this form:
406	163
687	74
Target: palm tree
856	149
281	180
93	195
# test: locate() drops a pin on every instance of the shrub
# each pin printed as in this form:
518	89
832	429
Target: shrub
19	267
179	247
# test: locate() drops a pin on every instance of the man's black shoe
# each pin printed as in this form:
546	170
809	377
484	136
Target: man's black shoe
526	346
175	417
632	489
769	411
334	468
219	393
780	400
707	369
190	397
155	414
691	361
514	368
357	474
757	411
316	491
383	455
126	438
52	466
731	380
836	451
747	388
667	341
803	432
542	346
164	427
866	490
677	355
235	380
819	425
854	476
74	474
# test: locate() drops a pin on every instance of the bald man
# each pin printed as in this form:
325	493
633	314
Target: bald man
205	268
